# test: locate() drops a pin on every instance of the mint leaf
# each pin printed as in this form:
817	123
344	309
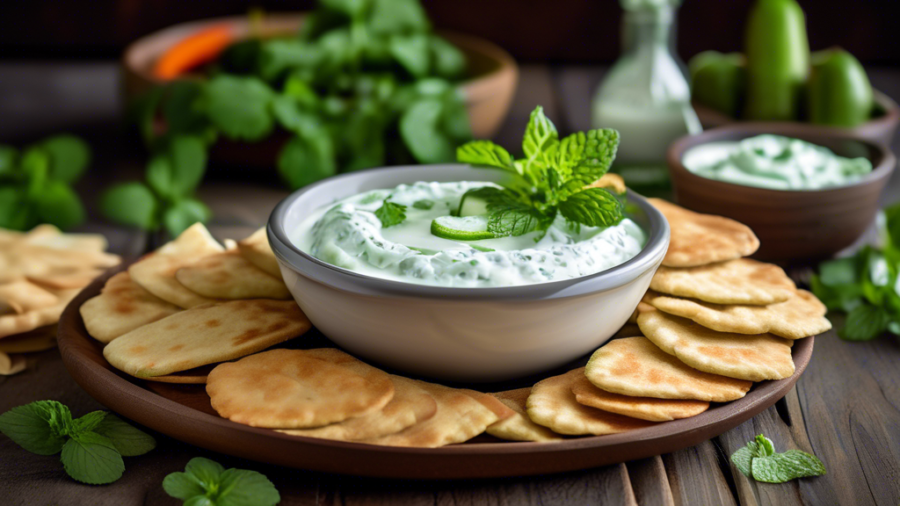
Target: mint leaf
764	446
183	486
514	221
790	465
424	204
291	117
864	323
36	426
128	440
594	207
69	157
240	487
239	106
184	214
59	205
412	52
181	109
159	176
397	16
8	156
307	158
539	144
484	153
391	214
188	158
838	272
448	61
92	458
88	422
420	127
741	460
130	204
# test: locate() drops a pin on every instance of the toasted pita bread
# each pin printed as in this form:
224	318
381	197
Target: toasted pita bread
256	249
553	405
297	389
701	239
40	339
644	408
11	364
205	335
156	271
800	316
742	281
749	357
19	260
121	307
459	418
228	275
52	237
22	296
636	367
12	324
519	427
410	405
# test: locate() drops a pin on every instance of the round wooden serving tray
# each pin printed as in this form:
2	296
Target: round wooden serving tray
183	412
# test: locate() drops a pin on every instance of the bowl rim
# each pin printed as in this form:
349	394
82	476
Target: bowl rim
280	20
343	279
882	164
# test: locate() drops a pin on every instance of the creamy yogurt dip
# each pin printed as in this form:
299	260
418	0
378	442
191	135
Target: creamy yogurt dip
349	235
774	162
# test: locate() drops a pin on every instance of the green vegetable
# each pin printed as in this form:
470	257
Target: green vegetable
390	213
550	179
35	185
167	198
367	83
759	461
205	482
91	446
777	60
717	81
468	228
865	286
839	93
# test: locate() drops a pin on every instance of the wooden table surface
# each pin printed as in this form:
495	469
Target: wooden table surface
845	409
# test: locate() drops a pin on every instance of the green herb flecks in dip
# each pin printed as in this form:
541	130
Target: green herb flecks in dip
348	234
775	162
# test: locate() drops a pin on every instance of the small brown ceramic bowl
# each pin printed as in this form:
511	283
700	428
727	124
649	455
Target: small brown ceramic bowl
790	224
880	128
488	90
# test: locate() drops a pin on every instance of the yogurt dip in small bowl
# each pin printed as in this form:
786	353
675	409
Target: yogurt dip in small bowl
806	196
468	310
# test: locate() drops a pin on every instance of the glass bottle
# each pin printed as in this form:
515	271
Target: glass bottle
646	96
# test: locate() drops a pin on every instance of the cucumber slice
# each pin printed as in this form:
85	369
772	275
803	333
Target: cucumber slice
472	206
467	228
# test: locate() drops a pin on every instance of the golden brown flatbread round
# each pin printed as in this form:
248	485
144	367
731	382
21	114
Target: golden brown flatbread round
644	408
228	275
701	239
297	389
519	427
636	367
256	249
742	281
121	307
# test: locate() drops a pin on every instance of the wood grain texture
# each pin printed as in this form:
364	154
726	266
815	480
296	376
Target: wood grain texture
845	409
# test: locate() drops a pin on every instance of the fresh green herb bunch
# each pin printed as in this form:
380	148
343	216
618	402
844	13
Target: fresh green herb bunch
92	446
35	184
759	461
167	198
551	179
206	483
866	285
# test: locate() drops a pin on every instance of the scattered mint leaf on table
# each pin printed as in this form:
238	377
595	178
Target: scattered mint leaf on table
92	446
205	482
759	461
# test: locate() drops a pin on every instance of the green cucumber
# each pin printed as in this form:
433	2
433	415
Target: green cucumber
467	228
839	92
777	60
472	206
717	81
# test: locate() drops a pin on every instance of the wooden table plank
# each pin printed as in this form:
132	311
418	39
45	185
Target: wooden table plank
695	476
649	481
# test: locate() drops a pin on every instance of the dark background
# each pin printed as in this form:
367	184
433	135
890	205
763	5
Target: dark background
556	31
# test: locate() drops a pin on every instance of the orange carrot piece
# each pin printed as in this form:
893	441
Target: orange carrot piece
199	48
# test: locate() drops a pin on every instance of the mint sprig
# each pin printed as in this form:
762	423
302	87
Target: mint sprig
205	482
35	185
759	461
390	213
91	446
551	179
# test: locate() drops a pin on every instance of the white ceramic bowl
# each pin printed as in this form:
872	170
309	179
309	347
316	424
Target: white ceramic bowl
463	334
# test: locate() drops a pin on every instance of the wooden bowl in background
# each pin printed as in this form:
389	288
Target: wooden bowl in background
488	91
880	128
790	224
